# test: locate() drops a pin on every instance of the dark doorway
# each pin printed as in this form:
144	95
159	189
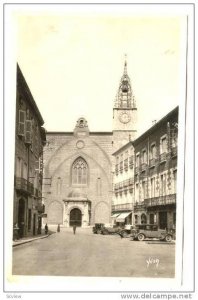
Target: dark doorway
162	219
29	219
34	224
39	225
75	217
21	217
143	219
151	218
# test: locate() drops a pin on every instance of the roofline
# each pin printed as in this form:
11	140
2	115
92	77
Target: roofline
154	127
71	132
122	148
27	92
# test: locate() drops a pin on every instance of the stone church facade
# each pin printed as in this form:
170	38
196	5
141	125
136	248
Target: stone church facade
78	166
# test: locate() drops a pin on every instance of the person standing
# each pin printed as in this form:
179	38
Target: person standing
58	228
46	229
74	229
16	232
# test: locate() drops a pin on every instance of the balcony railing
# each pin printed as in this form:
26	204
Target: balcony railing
116	186
152	162
139	204
24	185
126	182
162	200
131	181
116	169
131	189
124	185
163	157
126	164
21	184
143	166
121	166
131	162
120	185
122	207
173	151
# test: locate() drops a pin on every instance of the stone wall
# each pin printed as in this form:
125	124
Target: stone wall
61	151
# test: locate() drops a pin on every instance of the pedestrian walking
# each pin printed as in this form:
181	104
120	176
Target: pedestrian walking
46	229
58	228
74	229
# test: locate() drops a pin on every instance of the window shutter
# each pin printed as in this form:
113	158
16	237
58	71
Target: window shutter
28	132
21	125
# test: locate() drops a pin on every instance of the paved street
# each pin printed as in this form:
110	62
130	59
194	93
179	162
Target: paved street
88	254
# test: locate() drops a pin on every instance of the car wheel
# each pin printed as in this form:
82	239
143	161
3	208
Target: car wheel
105	232
140	237
168	238
124	234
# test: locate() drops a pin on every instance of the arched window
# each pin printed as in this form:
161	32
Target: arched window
79	172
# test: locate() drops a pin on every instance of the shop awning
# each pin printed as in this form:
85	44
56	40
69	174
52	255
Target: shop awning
122	217
115	215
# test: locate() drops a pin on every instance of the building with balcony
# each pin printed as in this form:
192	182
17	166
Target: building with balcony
29	141
123	187
155	176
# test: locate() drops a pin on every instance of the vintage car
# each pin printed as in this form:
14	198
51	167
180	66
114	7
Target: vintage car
110	229
143	231
98	228
126	231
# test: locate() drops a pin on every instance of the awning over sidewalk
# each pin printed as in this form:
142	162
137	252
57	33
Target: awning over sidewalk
115	215
122	217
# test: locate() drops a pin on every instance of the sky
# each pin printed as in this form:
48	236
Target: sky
73	61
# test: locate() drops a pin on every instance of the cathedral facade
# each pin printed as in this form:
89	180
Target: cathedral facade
78	165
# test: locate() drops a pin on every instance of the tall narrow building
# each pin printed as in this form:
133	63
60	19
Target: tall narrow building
124	113
29	141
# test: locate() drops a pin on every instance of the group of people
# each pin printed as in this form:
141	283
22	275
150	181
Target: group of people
58	228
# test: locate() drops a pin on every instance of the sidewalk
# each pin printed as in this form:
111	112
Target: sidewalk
29	239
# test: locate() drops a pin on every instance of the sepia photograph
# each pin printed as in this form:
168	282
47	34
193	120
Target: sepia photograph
98	98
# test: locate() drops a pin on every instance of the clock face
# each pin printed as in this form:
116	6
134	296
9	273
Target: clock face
124	117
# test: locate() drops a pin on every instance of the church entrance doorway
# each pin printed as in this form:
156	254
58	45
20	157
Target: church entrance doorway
75	217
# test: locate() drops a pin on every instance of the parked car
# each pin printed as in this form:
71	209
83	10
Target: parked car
98	228
126	231
110	229
143	231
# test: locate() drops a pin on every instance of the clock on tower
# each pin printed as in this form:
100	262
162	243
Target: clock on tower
124	117
124	112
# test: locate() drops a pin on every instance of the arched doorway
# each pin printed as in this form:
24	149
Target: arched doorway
143	219
75	217
21	217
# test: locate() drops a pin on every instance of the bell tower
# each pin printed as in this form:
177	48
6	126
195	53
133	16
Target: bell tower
124	112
